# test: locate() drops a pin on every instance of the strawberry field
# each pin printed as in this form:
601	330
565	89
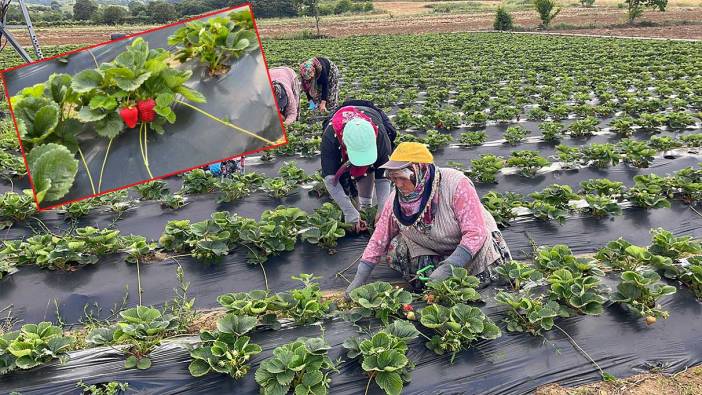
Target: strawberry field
586	151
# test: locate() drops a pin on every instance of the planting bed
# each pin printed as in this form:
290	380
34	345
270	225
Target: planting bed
625	111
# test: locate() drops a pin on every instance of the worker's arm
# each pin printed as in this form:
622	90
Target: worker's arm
385	230
467	209
290	115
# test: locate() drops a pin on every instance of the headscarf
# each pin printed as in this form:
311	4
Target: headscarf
280	95
339	120
309	71
421	203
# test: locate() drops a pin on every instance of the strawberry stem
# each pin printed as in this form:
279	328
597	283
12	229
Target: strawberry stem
222	121
87	170
104	161
142	129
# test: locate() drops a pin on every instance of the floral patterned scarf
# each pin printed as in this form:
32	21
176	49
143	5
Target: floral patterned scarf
309	71
422	201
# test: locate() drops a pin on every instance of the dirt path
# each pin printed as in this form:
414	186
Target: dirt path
385	24
684	383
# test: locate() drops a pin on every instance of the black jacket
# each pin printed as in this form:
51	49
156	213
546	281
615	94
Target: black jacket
331	148
322	79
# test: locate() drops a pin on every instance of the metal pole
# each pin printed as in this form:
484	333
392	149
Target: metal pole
30	29
11	39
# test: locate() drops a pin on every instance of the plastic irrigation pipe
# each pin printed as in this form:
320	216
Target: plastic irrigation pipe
231	125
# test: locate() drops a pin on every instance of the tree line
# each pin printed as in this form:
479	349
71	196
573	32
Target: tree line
160	12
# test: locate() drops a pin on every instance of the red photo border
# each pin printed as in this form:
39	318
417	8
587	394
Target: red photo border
24	156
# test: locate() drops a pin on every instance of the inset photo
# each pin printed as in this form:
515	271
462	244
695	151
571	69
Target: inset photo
144	106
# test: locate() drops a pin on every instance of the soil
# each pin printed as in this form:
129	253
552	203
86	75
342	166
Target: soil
688	382
585	20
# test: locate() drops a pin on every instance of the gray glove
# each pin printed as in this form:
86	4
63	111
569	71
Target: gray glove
363	271
460	258
351	215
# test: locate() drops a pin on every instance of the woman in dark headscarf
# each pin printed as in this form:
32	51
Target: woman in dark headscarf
287	92
432	221
320	81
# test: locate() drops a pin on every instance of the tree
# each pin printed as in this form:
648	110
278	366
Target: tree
547	11
161	12
113	15
503	20
55	5
587	3
311	7
84	10
191	7
136	7
636	7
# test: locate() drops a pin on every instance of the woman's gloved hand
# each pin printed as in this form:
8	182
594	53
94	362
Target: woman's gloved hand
442	272
363	271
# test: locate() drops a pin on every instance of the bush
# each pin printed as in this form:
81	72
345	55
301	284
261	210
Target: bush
342	6
113	15
503	20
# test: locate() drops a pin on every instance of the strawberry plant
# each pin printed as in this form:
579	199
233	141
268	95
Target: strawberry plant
601	155
692	140
556	195
292	173
515	135
226	350
15	207
325	226
517	274
172	201
231	190
276	232
547	212
439	119
485	168
622	255
663	143
383	357
650	197
679	119
138	87
551	131
570	157
257	303
602	206
198	181
528	162
278	187
302	366
304	305
473	138
536	114
175	235
436	140
636	153
528	314
154	190
664	243
623	126
640	291
458	288
550	259
138	249
380	300
650	122
581	293
691	276
602	187
501	206
583	127
456	327
79	209
109	388
405	119
208	240
141	330
33	345
216	42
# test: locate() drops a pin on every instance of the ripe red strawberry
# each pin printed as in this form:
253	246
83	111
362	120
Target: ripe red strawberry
407	307
146	110
130	116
